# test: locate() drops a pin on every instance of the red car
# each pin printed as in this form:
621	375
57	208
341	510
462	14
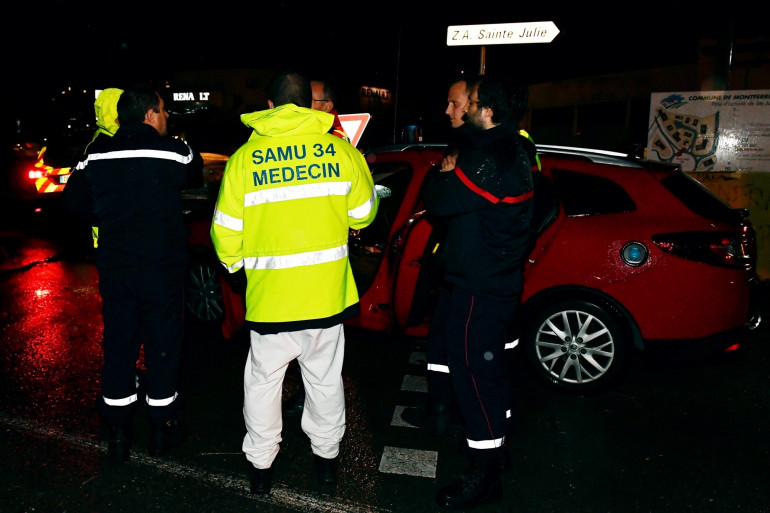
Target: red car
627	255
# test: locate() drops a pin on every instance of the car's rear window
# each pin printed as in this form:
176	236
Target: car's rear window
585	195
700	199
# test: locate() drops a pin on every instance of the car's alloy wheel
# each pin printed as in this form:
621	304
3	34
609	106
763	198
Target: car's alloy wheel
204	291
575	346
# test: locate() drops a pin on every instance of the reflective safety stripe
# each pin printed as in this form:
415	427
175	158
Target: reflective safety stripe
438	368
297	260
161	402
294	192
486	444
363	210
134	154
507	414
120	402
511	345
235	267
227	221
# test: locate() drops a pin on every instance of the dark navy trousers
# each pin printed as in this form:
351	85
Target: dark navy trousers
141	306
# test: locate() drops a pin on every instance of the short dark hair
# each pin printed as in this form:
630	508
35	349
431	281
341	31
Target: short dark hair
290	87
328	89
462	77
506	97
134	103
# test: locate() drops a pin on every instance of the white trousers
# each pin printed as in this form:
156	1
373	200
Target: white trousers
320	353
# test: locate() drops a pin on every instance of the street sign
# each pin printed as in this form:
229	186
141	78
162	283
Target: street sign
354	125
501	33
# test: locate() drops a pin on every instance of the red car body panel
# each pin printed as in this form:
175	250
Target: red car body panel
665	297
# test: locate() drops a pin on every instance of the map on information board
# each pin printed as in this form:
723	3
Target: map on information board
711	130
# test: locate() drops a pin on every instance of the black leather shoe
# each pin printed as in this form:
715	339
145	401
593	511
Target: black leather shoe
473	488
261	480
165	436
295	404
326	470
119	443
478	485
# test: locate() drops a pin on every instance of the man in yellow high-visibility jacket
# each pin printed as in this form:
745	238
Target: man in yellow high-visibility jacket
287	201
106	110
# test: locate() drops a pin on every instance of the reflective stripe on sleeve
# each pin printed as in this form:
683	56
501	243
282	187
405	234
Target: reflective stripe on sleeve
125	401
235	267
297	260
294	192
438	368
227	221
161	402
362	211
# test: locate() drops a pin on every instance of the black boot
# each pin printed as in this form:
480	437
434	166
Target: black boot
165	435
119	442
436	418
261	480
326	470
477	485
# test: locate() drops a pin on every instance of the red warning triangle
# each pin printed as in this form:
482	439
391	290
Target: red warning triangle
354	125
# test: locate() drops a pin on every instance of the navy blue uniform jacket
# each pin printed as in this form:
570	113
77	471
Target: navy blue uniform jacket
487	207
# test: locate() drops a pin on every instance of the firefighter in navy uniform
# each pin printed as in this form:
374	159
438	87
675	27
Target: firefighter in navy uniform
486	202
129	186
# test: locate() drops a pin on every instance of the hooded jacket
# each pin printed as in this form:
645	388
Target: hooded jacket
106	110
288	199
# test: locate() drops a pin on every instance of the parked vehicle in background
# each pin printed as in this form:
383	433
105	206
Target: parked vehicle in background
627	256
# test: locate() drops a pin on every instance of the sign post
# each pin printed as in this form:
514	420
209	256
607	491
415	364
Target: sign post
500	34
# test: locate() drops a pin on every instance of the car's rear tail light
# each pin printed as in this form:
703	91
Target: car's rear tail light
34	173
727	249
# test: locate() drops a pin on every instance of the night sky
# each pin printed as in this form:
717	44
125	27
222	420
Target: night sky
399	45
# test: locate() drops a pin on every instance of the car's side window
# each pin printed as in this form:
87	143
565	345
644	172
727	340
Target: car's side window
584	194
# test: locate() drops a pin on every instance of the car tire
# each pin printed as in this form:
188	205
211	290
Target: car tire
561	355
203	290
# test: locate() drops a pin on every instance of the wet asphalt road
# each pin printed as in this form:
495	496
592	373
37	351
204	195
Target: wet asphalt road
671	437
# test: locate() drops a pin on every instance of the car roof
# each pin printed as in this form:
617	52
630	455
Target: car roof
594	155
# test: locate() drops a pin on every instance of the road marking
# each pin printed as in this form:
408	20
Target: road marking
281	495
418	358
412	462
415	384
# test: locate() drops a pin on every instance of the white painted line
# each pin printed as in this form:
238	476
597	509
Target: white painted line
398	421
280	495
415	384
411	462
418	358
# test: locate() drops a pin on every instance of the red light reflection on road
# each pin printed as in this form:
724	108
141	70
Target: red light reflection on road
52	331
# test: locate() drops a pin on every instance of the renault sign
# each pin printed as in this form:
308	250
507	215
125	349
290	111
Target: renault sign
501	33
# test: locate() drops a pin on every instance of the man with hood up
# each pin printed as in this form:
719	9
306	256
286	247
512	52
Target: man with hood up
289	197
106	110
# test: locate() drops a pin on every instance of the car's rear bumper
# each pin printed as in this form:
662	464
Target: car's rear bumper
726	341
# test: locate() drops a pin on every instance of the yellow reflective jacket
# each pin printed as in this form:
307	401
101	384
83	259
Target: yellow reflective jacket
106	110
285	206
